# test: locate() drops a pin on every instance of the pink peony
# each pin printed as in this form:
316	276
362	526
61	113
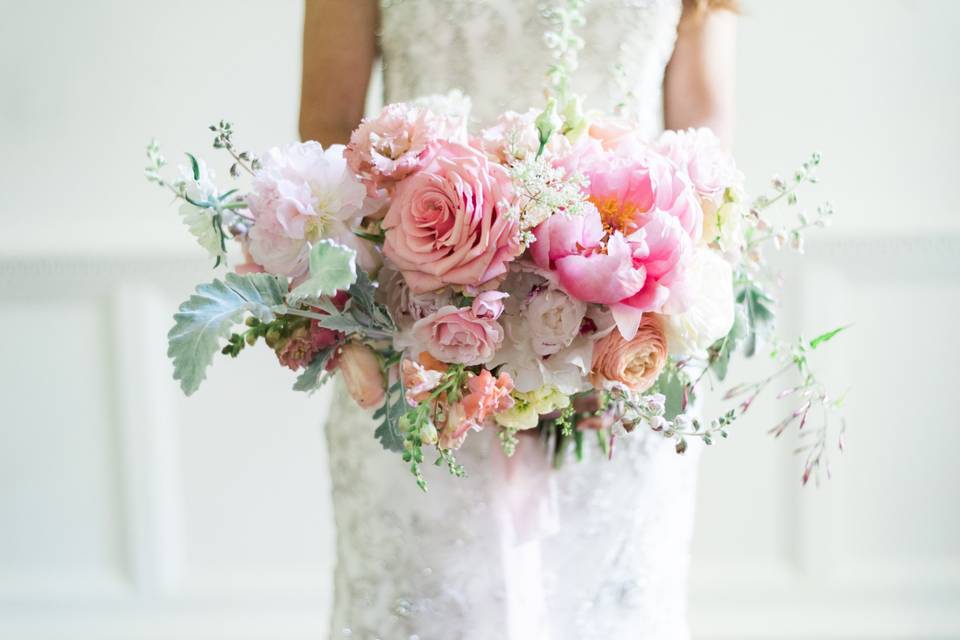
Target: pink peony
630	273
447	224
386	149
303	193
453	334
699	154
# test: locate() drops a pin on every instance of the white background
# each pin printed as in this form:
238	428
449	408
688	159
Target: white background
128	512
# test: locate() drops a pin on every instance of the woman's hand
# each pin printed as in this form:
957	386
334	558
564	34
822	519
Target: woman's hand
339	48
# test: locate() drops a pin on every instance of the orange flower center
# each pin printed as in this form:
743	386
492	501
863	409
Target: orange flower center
617	215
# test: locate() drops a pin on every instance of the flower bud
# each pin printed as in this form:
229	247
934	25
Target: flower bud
362	374
428	433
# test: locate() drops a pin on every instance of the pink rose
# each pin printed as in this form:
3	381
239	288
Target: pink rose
488	304
699	154
446	224
453	334
388	148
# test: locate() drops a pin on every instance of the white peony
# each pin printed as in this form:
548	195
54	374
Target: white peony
708	284
553	320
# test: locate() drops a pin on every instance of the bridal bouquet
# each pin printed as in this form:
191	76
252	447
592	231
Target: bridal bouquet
554	271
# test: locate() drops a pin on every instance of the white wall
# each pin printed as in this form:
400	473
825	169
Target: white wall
129	512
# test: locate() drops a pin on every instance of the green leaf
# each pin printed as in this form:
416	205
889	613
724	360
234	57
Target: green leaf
194	166
671	384
333	267
210	314
824	337
759	313
394	407
316	374
204	225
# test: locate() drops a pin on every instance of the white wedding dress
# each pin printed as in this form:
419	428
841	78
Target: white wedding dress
597	549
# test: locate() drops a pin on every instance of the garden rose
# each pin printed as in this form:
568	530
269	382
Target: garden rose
362	374
634	363
447	224
453	334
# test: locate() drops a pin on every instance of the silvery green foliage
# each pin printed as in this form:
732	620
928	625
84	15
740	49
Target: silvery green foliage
362	315
333	267
204	225
316	374
210	314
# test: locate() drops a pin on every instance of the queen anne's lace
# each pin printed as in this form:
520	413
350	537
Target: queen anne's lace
440	566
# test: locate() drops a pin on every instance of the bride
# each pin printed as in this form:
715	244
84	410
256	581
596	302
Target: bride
516	551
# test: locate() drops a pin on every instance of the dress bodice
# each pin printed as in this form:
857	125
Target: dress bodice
494	51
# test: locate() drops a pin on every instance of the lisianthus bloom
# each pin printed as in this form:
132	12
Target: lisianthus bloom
528	407
386	149
362	374
634	363
487	395
303	193
469	335
448	224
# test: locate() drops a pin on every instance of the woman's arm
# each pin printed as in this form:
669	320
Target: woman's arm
698	90
339	48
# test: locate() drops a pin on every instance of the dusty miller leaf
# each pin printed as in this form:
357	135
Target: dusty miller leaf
203	226
209	315
394	407
333	267
316	374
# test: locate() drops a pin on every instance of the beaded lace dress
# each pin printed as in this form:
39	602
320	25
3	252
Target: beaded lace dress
598	549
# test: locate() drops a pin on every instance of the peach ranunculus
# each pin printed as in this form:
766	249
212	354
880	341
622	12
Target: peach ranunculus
634	363
448	224
362	374
469	335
